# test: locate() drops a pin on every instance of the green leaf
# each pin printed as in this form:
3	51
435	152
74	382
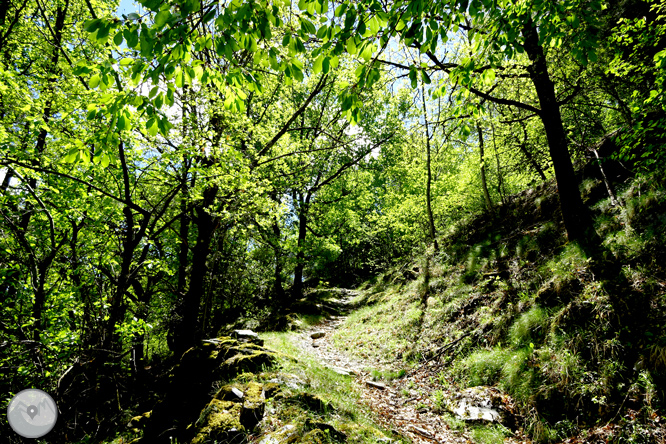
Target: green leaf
488	77
121	123
146	46
92	25
103	33
179	77
151	126
425	77
368	52
412	78
335	60
131	36
321	7
161	18
125	61
307	27
465	131
71	155
351	46
317	66
118	39
94	81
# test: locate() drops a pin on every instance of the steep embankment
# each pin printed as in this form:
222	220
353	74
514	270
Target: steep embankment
508	303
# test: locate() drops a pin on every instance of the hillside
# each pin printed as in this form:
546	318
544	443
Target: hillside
508	302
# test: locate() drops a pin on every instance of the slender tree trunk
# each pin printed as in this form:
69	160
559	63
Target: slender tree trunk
297	288
431	220
188	329
484	184
500	181
278	290
577	219
609	187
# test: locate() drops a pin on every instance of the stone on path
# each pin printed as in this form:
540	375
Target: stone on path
422	432
318	334
478	404
374	384
342	371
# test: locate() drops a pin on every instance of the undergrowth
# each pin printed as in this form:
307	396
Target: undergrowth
509	302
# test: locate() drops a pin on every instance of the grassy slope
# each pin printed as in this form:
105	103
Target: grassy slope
528	315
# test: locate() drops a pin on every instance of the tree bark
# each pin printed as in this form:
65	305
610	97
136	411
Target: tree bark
576	217
484	183
188	328
431	219
303	208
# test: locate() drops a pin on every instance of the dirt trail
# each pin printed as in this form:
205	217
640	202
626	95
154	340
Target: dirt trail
403	405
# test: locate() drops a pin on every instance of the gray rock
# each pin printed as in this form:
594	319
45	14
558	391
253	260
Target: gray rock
318	334
342	371
247	336
377	385
478	404
469	412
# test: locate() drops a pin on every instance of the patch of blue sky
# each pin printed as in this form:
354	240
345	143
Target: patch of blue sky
126	7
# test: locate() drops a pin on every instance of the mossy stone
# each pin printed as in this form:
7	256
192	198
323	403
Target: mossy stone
253	405
271	389
219	420
247	358
229	393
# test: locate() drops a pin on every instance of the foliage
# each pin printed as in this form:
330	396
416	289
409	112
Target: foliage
191	167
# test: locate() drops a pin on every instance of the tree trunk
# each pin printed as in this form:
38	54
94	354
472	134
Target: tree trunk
630	306
484	184
431	219
278	290
577	219
188	328
297	288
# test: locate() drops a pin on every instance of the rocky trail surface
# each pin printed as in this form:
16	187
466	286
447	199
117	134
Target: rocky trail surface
410	405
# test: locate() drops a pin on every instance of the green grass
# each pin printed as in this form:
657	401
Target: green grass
489	434
346	412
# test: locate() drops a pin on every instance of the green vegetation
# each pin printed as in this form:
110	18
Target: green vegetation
542	330
491	171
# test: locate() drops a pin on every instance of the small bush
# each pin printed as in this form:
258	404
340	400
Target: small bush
484	367
529	327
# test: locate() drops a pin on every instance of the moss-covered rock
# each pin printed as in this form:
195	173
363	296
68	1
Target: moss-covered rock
229	393
311	402
219	421
246	358
191	383
253	405
271	389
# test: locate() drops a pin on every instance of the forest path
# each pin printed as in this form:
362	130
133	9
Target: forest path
402	405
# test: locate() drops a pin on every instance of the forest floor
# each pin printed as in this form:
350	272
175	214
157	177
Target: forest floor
408	403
